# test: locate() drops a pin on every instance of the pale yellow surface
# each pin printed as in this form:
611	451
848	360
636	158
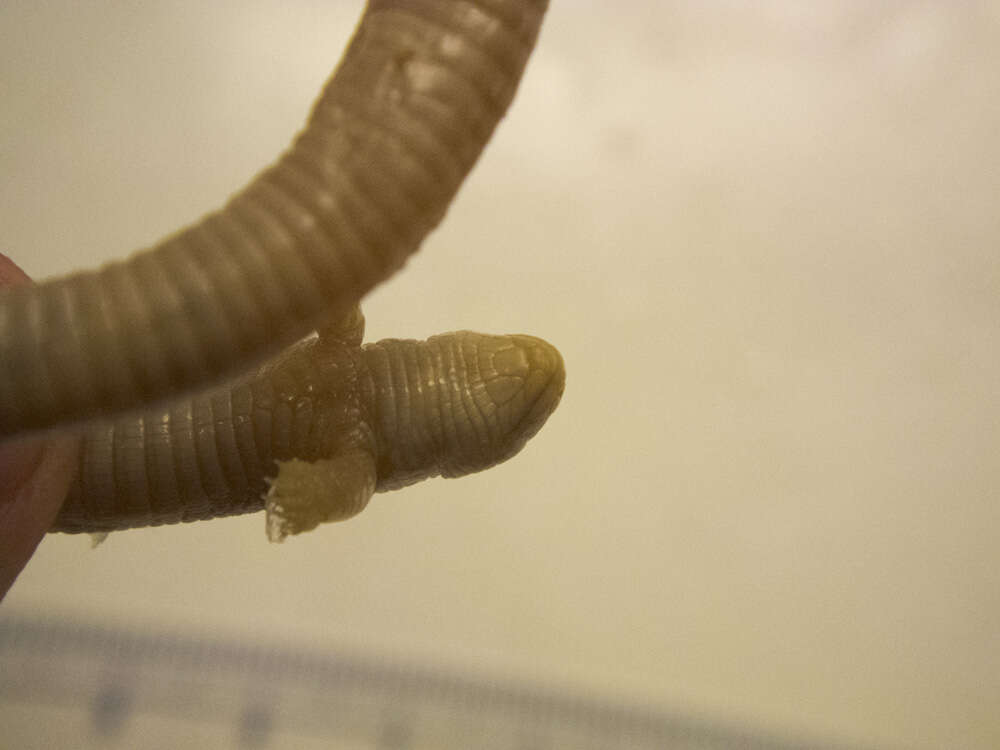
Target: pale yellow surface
767	242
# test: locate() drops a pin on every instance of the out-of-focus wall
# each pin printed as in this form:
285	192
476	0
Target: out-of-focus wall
767	241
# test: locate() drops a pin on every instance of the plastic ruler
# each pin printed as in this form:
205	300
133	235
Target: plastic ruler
111	687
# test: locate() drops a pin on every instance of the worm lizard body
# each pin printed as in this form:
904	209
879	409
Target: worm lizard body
314	432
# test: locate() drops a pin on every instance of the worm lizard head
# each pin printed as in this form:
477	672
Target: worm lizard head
512	385
458	403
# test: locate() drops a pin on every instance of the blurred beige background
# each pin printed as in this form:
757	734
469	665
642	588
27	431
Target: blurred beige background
766	238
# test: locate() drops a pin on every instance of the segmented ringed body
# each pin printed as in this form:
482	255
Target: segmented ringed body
323	425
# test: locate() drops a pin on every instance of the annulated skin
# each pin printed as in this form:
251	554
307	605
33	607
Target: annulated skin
410	107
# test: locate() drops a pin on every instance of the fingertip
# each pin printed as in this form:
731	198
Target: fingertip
11	274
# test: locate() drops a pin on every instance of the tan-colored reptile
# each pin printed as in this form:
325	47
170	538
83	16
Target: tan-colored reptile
324	424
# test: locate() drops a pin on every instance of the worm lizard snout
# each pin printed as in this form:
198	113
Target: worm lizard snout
469	401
